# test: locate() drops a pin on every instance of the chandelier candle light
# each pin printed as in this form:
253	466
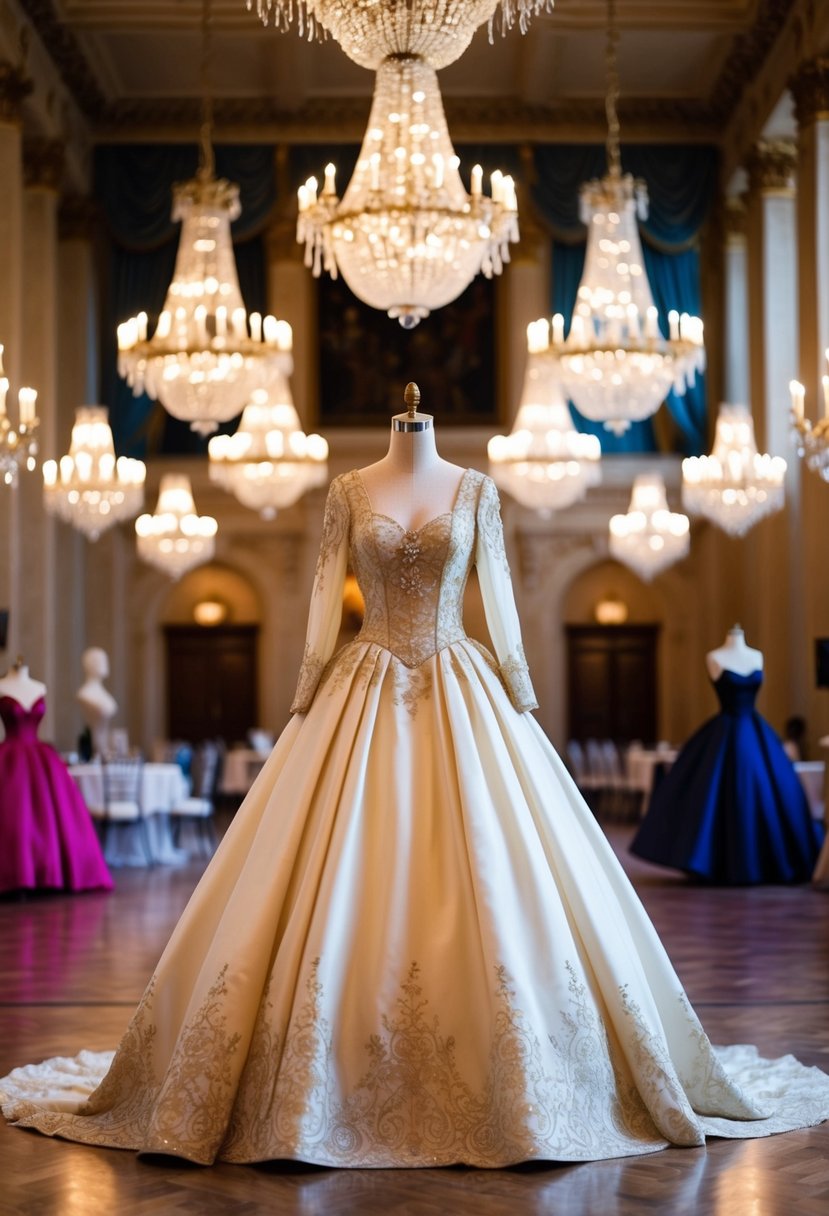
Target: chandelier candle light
89	488
812	437
269	462
18	444
175	538
615	364
544	462
650	537
735	486
206	356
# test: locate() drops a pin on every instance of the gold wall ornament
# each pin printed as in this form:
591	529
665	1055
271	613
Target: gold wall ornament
772	165
810	89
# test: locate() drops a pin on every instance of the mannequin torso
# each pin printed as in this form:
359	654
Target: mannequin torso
734	655
18	684
412	484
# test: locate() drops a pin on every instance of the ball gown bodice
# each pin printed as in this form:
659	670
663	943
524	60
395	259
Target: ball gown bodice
47	839
732	809
21	724
737	693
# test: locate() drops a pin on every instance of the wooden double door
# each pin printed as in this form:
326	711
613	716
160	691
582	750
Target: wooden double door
612	682
212	682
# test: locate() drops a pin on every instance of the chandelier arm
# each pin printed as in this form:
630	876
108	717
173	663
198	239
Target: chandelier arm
207	163
614	157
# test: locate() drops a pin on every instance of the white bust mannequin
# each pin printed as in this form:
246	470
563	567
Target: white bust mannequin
734	656
19	685
97	703
412	484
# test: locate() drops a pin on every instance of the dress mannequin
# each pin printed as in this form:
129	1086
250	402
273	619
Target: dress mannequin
18	684
412	484
97	703
734	655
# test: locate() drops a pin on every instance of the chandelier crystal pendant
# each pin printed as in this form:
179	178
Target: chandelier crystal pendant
175	539
616	366
18	444
89	488
406	236
440	28
812	437
269	463
650	537
206	356
735	486
544	463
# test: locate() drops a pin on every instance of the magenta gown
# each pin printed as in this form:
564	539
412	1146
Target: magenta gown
47	838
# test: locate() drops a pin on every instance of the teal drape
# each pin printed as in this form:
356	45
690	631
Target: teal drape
133	185
681	184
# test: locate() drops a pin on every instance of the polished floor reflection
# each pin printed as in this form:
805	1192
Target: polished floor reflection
755	963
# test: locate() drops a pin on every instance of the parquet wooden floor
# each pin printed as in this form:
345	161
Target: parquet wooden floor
755	963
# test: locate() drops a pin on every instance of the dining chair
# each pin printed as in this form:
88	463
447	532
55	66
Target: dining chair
200	807
121	806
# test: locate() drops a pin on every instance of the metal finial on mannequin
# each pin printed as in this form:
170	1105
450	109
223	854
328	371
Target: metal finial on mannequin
411	421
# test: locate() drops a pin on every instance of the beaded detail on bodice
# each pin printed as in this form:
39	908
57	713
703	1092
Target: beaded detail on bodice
412	580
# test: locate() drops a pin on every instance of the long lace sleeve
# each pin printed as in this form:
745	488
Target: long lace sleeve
325	612
499	603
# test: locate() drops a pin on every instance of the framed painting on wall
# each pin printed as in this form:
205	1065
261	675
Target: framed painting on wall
366	359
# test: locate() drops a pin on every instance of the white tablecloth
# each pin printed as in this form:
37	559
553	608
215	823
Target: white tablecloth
641	765
812	774
241	768
163	786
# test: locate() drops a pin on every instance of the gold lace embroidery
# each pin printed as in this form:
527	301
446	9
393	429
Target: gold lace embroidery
516	676
310	674
489	523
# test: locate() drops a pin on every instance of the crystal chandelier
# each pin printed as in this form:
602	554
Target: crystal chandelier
175	538
615	364
440	28
544	462
650	537
18	445
735	486
89	488
812	437
206	356
406	236
269	462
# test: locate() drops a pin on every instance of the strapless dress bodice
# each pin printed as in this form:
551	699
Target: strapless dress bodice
21	724
737	693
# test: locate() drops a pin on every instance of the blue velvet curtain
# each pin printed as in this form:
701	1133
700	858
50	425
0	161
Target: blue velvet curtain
681	184
133	184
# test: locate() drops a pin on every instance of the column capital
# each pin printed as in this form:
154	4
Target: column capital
78	218
772	164
810	90
43	161
15	87
734	216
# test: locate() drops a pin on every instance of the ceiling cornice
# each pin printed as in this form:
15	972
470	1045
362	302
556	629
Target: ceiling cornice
340	119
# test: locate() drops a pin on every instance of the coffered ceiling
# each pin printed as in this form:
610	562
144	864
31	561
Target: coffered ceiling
133	67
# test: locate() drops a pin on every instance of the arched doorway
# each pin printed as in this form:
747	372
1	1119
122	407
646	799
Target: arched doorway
612	627
211	635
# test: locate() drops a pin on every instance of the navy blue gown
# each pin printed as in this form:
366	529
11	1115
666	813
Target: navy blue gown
732	809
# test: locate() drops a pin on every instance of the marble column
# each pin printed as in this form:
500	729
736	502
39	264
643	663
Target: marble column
78	360
14	88
774	544
810	89
42	172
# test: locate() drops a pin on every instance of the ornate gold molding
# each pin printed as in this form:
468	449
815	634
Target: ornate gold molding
43	161
15	87
772	165
734	216
810	89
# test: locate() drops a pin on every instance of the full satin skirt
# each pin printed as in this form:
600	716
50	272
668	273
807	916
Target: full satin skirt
47	838
414	947
732	810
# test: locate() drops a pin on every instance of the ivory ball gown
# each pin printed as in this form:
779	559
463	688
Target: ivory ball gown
414	946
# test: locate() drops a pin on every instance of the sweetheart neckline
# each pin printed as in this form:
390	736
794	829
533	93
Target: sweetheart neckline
413	531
